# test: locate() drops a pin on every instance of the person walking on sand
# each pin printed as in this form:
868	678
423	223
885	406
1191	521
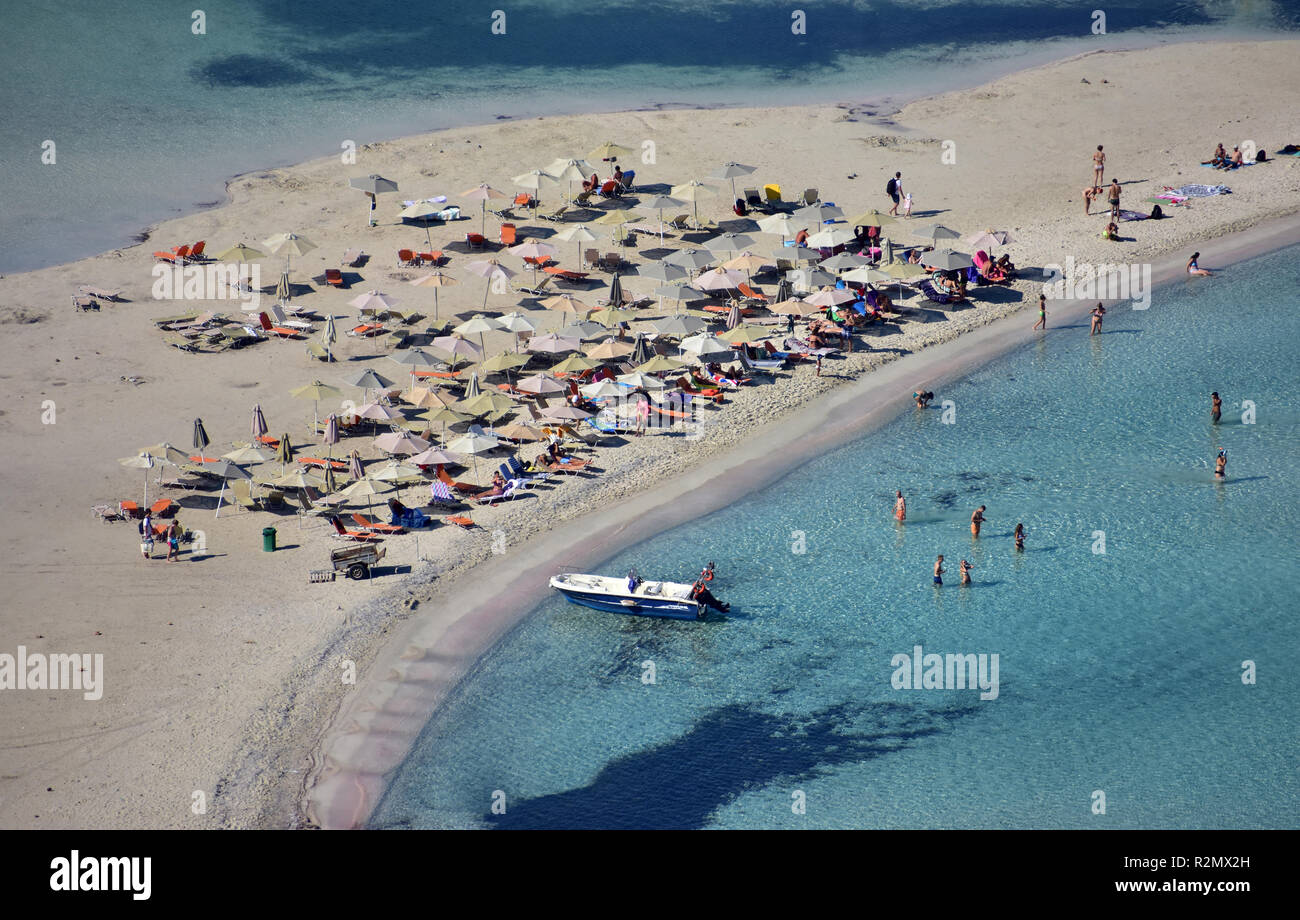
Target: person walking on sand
173	541
965	572
1114	199
900	507
1193	268
938	571
1216	408
1098	312
976	520
894	189
1019	537
1042	313
1098	166
642	413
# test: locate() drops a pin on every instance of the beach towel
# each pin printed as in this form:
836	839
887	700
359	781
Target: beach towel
1195	191
1132	215
440	491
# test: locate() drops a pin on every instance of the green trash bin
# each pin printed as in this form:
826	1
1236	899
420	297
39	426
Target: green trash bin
268	539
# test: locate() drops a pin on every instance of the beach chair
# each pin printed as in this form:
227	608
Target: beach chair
241	494
359	536
177	257
128	509
750	294
485	499
99	293
367	330
811	196
433	257
196	251
460	520
591	258
466	489
163	507
83	303
475	241
509	235
283	332
754	200
334	276
367	524
773	193
352	258
629	179
521	285
566	275
407	257
584	197
680	222
556	215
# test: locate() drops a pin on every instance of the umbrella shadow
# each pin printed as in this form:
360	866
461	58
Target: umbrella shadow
681	783
996	293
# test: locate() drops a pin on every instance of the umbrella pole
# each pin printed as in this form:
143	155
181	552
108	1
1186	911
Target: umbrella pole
220	495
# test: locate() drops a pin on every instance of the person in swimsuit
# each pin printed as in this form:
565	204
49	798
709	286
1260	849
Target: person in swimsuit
1042	313
938	571
1216	407
900	507
965	572
976	520
1221	465
1089	196
1098	312
1193	268
1098	166
1019	536
1114	199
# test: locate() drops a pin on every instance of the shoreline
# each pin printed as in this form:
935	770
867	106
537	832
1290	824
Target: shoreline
376	727
249	721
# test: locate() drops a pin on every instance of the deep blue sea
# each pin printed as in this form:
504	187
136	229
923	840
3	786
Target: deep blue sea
149	119
1120	672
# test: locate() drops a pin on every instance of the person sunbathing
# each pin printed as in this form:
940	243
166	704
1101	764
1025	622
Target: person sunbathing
1236	157
943	284
914	257
1220	158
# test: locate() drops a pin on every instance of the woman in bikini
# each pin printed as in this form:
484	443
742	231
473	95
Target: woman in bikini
1193	268
1019	537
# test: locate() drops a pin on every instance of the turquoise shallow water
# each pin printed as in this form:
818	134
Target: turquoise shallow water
149	119
1119	672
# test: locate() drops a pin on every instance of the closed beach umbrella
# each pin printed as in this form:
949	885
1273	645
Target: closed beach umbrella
732	171
329	336
641	350
472	388
200	436
616	290
784	290
284	451
434	280
354	465
482	193
282	289
331	436
733	315
258	423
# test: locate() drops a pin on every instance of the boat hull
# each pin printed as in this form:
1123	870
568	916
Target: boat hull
607	597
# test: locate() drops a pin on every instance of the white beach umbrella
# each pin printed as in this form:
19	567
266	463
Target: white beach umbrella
482	193
434	280
705	344
828	237
732	171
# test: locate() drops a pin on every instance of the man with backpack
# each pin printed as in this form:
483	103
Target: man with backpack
894	189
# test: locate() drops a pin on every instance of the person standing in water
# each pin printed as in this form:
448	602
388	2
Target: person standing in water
1216	408
900	507
1042	313
976	520
1019	537
1097	315
1221	465
965	572
938	571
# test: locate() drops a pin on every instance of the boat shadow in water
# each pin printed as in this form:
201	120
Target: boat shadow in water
680	784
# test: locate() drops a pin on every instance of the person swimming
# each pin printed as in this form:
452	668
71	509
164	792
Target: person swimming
938	571
965	572
976	520
1019	536
1216	407
1221	465
900	506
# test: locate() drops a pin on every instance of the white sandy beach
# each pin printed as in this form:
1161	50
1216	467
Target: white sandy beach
222	674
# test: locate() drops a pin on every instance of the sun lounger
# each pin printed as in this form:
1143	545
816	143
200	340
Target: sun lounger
360	536
99	293
83	303
509	234
556	215
366	524
487	497
334	276
773	193
407	257
565	274
750	294
433	257
177	257
475	240
284	332
460	521
523	286
367	330
163	507
352	258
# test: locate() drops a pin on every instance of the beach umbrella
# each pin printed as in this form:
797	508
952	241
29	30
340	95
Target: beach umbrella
781	223
612	316
517	323
367	380
240	253
814	277
541	385
200	436
661	271
640	381
729	242
866	273
225	471
552	344
492	270
987	239
935	232
330	436
503	363
641	350
482	193
658	204
575	364
679	292
533	180
659	364
872	218
245	455
566	303
258	426
904	271
733	315
477	324
372	185
354	465
432	456
732	171
796	254
947	260
399	442
454	346
424	398
617	221
583	329
795	307
679	326
569	171
610	350
609	151
566	413
143	461
615	295
517	432
376	412
843	262
329	336
784	290
693	191
434	280
488	402
372	302
746	262
291	244
719	279
690	259
472	388
576	234
298	479
315	391
834	235
602	389
830	297
365	488
474	443
532	249
704	344
284	451
444	417
749	334
817	214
